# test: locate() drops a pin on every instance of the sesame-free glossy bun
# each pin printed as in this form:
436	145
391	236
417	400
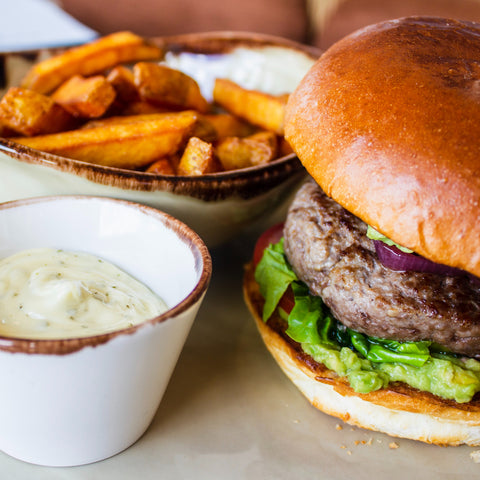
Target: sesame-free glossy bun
397	410
388	123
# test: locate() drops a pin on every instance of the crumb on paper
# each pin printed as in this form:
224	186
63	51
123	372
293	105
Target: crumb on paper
338	427
364	442
393	445
343	447
475	456
349	452
296	421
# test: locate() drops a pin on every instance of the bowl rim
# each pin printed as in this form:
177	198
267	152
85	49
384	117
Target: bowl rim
186	235
197	186
203	42
225	183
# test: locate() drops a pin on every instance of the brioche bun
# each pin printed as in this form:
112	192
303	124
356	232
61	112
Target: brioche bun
387	122
398	410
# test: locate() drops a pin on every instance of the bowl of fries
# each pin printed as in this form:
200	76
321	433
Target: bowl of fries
190	124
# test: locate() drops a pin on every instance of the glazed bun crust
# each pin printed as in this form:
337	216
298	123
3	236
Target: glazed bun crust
388	124
399	410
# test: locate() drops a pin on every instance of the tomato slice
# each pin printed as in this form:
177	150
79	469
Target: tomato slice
270	236
287	302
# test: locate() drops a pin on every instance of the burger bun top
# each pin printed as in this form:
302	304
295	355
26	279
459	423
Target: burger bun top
388	124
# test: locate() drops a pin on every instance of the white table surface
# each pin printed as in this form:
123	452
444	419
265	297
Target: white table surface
230	413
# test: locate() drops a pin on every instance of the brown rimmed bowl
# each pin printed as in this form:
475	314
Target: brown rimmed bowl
217	206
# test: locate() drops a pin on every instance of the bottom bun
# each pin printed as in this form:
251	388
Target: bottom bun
399	410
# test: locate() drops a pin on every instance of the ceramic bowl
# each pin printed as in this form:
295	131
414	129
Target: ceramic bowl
216	206
79	400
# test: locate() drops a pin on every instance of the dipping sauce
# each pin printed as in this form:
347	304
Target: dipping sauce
48	293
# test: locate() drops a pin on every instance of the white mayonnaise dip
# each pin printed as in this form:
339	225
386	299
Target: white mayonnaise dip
48	293
271	69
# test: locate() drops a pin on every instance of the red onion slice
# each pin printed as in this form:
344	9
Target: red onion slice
393	258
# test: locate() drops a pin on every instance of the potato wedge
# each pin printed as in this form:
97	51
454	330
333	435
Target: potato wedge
268	138
234	152
227	125
149	117
127	119
89	59
121	79
161	167
205	130
85	97
141	107
197	158
261	109
284	147
31	113
6	131
165	86
130	146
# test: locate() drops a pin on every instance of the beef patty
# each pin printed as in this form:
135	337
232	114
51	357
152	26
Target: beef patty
329	251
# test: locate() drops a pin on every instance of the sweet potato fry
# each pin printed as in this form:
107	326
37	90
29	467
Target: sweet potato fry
165	86
131	145
235	152
121	79
89	59
197	158
161	167
31	113
261	109
85	97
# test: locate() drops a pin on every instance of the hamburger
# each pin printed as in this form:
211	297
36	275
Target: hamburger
368	296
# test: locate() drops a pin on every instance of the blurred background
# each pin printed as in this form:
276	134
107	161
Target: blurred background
318	22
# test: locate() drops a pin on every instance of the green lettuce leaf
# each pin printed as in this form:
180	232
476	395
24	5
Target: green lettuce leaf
304	318
374	235
274	276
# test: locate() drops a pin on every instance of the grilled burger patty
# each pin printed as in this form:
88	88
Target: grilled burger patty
329	251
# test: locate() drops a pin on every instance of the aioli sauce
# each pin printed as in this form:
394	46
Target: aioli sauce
47	293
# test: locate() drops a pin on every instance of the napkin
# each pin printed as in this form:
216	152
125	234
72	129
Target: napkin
31	24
